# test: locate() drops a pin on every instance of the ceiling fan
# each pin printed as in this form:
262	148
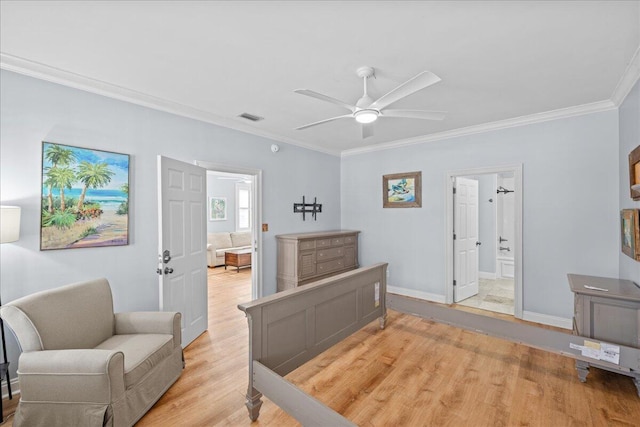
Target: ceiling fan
366	110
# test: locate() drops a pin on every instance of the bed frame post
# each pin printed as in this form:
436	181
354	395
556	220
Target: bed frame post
253	400
253	403
383	320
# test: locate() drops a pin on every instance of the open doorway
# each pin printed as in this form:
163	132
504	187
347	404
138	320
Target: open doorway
484	239
233	231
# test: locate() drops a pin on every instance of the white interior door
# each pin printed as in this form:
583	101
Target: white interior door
182	195
465	242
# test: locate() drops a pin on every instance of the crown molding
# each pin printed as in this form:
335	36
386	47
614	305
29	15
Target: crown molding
77	81
488	127
628	80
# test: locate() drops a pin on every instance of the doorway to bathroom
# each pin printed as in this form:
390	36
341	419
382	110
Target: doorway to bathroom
484	239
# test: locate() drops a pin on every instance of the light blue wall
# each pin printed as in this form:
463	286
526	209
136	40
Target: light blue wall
629	139
222	188
34	110
570	225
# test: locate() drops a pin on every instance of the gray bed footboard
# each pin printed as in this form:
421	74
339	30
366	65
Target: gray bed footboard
290	328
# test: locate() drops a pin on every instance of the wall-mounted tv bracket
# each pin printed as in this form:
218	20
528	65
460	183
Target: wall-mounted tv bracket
305	208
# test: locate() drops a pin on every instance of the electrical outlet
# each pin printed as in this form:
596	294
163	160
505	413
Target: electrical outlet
265	227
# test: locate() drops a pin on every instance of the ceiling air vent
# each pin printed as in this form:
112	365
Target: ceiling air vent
251	117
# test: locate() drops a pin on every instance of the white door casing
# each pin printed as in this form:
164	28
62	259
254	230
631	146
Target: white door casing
182	231
516	244
465	238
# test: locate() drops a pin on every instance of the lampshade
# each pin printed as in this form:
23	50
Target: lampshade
9	224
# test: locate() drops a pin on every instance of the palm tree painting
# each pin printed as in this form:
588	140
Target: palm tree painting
85	198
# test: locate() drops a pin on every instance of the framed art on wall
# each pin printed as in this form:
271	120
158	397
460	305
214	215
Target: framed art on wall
402	190
630	232
84	198
634	173
217	208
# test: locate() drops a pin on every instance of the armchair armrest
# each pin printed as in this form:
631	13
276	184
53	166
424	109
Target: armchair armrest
95	376
150	322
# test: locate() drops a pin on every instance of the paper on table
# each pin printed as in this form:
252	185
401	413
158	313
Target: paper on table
599	351
610	353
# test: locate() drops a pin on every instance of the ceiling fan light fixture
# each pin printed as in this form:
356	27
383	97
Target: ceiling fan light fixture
366	116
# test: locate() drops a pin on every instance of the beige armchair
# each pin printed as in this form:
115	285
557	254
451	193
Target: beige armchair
84	365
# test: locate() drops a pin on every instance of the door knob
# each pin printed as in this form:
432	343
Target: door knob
478	243
168	270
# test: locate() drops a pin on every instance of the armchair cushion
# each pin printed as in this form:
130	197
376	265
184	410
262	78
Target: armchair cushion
144	352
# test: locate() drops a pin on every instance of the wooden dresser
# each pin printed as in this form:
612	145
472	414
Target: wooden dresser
307	257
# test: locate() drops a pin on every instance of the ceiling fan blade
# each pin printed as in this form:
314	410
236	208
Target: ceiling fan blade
324	121
421	81
326	98
415	114
367	130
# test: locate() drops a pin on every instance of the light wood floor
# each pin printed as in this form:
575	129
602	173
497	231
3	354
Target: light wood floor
415	373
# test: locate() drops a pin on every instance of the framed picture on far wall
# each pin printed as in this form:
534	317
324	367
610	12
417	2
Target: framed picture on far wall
217	208
402	190
84	198
630	232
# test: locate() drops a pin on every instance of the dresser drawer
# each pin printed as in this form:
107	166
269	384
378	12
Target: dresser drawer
337	241
349	240
326	254
323	243
330	266
307	244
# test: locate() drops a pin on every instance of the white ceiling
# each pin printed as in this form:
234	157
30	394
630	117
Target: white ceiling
504	62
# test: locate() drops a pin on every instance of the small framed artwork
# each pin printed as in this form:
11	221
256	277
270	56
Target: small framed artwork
634	173
84	198
217	208
402	190
630	232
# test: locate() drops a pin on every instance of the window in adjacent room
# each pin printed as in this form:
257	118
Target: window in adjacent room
243	206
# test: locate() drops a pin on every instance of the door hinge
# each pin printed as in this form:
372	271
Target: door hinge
454	236
454	283
454	190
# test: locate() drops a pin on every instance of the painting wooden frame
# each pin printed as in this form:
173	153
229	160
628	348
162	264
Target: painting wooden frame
84	198
402	190
634	173
217	208
630	232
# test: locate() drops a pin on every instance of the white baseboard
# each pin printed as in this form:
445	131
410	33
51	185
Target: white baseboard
546	319
15	388
485	275
416	294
